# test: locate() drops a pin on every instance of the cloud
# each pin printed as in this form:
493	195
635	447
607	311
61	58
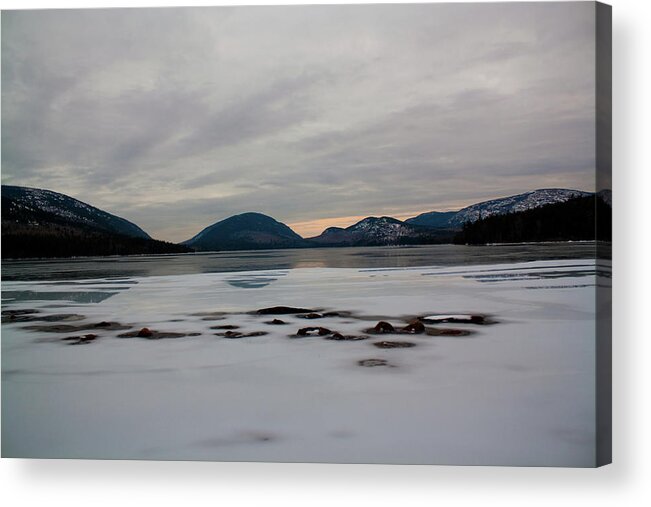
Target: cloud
176	118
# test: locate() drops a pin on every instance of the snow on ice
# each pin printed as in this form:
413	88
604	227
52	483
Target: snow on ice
517	392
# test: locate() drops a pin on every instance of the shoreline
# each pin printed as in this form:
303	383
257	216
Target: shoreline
213	252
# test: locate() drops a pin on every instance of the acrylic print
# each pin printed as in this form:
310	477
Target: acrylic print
337	233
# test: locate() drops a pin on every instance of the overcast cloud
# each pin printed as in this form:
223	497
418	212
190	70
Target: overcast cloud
178	118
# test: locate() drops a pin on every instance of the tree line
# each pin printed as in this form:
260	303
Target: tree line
580	218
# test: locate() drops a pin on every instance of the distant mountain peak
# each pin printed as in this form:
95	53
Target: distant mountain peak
254	214
246	231
382	219
375	231
370	224
332	230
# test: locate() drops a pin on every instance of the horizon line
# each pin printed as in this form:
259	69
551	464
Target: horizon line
309	228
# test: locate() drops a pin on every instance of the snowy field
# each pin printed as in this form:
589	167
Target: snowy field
517	390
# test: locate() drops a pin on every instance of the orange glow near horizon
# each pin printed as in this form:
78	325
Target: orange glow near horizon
312	228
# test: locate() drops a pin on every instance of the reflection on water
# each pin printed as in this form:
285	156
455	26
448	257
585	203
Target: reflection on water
116	268
126	283
12	296
253	281
541	275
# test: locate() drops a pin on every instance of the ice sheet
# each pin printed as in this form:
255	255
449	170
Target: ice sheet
516	392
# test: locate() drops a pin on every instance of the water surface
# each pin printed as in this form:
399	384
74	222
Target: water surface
254	260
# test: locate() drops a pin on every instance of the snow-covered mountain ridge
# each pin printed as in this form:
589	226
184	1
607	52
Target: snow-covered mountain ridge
501	206
513	204
376	231
33	202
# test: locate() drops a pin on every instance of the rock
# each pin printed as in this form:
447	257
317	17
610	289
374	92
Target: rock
393	345
35	317
55	328
276	322
69	328
226	326
12	317
415	327
341	337
80	340
282	310
313	331
311	316
159	335
381	327
384	327
145	332
447	332
337	314
150	334
374	362
238	334
26	311
26	315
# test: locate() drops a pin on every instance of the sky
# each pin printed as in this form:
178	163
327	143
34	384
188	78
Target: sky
315	115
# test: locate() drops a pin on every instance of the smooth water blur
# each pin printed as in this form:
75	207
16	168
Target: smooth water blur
253	260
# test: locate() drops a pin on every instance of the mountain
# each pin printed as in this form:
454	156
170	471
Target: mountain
248	231
65	209
42	223
433	219
500	206
379	231
514	203
439	226
578	218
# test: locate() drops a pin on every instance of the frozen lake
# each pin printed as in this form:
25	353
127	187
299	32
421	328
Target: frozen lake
515	389
353	257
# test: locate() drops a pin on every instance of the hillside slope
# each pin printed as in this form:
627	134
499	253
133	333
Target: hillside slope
41	223
247	231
